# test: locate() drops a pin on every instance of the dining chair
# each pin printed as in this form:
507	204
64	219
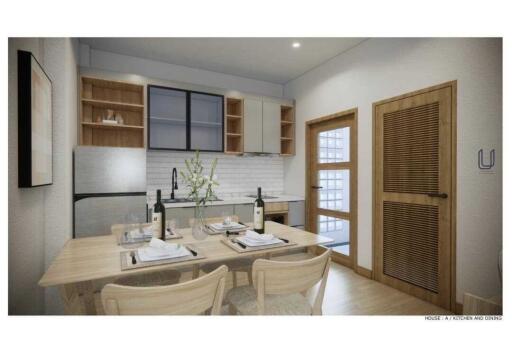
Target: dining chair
198	296
163	277
283	287
242	265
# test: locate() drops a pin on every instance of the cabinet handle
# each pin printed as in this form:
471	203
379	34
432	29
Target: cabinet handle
442	195
316	187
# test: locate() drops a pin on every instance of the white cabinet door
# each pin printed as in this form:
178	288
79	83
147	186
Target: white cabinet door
253	126
245	212
271	127
296	213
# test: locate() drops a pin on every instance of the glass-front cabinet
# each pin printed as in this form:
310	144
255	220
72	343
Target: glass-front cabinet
185	120
206	122
167	118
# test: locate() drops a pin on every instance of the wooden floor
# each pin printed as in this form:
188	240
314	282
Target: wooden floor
348	293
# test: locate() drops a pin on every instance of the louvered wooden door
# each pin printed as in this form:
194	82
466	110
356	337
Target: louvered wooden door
413	190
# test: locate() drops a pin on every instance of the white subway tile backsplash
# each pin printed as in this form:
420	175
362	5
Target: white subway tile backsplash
237	175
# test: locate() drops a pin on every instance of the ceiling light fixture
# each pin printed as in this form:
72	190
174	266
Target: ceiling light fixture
296	44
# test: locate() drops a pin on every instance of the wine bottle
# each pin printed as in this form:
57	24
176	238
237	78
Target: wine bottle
259	214
158	222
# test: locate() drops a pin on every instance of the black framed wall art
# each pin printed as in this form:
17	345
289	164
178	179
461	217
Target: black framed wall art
35	123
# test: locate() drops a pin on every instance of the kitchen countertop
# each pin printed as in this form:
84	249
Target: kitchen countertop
237	201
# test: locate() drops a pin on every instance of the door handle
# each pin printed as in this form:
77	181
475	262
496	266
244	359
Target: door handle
316	187
442	195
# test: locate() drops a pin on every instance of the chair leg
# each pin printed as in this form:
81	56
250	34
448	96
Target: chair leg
195	271
235	284
249	276
232	309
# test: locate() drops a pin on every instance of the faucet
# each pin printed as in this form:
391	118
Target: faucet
174	182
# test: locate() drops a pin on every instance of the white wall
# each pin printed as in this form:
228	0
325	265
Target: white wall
98	59
40	218
381	68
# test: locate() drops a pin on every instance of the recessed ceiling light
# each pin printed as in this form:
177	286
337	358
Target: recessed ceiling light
296	44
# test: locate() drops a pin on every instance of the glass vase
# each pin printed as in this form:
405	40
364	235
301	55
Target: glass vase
198	228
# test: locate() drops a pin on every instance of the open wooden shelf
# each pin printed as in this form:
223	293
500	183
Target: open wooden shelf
116	105
234	126
112	126
124	100
287	130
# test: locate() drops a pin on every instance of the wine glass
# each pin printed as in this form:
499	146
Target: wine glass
227	218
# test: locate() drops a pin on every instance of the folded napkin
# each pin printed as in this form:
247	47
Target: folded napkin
258	237
221	226
159	249
252	238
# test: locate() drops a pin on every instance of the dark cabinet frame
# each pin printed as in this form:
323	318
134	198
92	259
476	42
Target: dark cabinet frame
188	126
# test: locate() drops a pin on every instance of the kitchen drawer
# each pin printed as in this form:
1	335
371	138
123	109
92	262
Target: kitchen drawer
276	206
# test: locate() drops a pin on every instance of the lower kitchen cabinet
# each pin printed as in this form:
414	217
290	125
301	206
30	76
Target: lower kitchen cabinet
296	213
184	214
218	211
296	216
244	212
181	214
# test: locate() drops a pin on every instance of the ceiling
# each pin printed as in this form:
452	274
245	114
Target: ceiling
269	59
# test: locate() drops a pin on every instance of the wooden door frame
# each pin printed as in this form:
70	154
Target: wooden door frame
353	179
453	190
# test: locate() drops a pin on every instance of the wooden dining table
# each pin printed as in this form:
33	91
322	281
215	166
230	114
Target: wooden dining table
84	264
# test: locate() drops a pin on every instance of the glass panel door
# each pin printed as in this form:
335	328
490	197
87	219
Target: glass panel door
332	165
334	193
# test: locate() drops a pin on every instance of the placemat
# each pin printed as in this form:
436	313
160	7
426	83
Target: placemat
128	258
239	247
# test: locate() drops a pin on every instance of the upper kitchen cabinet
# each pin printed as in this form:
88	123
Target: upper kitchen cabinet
253	125
184	120
263	126
271	127
167	118
287	131
234	126
111	113
206	115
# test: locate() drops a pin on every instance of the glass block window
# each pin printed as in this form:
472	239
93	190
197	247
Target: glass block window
334	145
336	229
334	193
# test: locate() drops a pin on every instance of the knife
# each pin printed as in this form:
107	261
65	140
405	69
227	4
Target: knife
134	260
194	253
239	244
